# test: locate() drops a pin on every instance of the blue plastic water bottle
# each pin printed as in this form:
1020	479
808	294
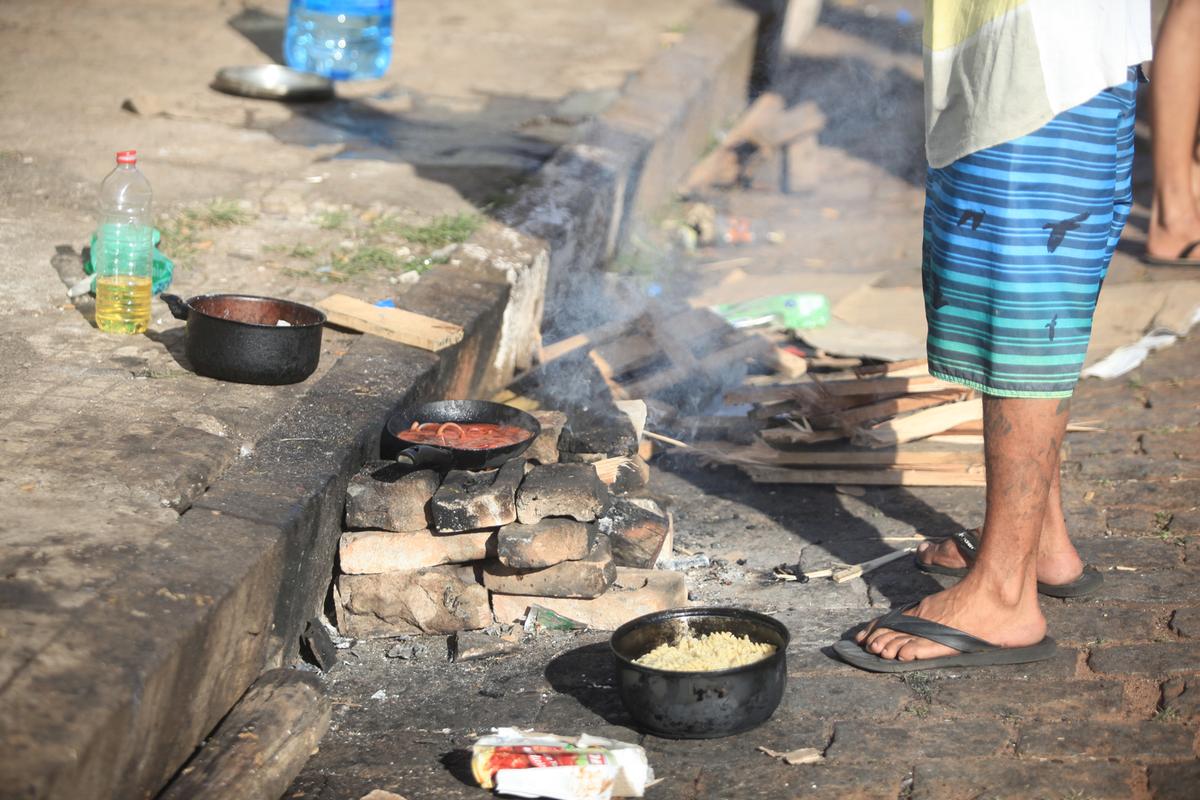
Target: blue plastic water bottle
340	39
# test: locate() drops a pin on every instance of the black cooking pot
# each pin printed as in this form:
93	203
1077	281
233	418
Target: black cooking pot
447	456
699	705
236	337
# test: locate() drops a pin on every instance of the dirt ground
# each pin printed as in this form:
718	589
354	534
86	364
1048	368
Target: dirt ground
1109	717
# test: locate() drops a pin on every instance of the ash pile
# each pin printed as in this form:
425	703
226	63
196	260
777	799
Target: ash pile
564	528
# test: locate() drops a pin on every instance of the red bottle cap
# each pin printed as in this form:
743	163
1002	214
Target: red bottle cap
127	157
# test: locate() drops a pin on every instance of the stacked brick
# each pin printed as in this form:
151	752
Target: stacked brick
559	527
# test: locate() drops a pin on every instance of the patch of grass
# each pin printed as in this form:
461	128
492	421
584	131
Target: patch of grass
1166	714
222	213
367	259
921	684
302	251
442	231
332	220
1162	522
1135	383
919	710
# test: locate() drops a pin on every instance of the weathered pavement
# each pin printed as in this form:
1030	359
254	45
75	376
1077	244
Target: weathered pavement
1114	715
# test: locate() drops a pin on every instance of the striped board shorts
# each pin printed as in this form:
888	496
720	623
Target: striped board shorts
1017	242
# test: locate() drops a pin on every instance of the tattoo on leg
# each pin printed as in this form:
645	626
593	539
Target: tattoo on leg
995	423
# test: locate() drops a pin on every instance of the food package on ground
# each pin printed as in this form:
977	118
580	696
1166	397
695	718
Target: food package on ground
532	764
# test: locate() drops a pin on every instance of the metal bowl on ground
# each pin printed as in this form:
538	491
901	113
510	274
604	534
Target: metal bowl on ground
273	82
699	705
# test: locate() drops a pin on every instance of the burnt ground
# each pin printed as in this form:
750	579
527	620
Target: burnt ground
1114	715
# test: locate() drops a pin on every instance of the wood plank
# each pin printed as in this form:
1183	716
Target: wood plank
896	369
593	337
721	165
749	347
897	405
902	457
395	324
261	745
864	477
793	436
920	424
887	385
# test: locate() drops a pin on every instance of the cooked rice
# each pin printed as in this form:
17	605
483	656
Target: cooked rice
707	653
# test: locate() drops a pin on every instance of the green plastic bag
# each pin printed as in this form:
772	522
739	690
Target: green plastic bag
161	273
795	311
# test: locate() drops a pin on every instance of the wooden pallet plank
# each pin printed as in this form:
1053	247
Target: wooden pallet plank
865	477
395	324
919	424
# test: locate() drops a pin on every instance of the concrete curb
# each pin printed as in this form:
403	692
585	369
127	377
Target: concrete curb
243	569
632	158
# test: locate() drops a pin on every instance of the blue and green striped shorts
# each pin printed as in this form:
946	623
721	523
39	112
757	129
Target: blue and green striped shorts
1018	238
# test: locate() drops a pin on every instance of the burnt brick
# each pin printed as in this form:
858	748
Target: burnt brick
386	496
634	592
544	449
855	696
561	490
470	500
859	741
588	577
368	552
1186	623
1145	740
638	534
544	544
1159	658
1174	781
1030	698
609	433
436	600
1016	779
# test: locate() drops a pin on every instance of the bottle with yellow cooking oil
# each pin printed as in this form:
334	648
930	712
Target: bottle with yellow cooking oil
124	253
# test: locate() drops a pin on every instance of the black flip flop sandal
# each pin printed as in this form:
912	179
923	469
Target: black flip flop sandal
968	544
972	651
1184	258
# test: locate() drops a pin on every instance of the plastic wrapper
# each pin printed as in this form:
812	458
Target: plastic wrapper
532	764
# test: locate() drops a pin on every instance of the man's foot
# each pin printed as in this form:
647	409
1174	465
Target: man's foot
1172	239
1058	561
967	606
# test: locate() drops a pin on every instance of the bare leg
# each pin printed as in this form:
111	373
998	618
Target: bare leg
997	600
1057	561
1175	214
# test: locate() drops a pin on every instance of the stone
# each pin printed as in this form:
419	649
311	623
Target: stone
1013	779
634	592
1174	781
469	500
967	738
1186	623
1077	623
320	647
473	645
370	552
435	600
544	449
1183	696
587	577
1153	740
544	544
1158	658
611	434
638	534
385	496
561	490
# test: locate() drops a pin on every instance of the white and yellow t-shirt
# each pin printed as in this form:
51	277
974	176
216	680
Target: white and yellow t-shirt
996	70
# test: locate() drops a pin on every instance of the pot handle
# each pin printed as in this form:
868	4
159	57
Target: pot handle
179	308
423	455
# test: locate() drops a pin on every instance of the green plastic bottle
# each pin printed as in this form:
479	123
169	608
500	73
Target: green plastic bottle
797	310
